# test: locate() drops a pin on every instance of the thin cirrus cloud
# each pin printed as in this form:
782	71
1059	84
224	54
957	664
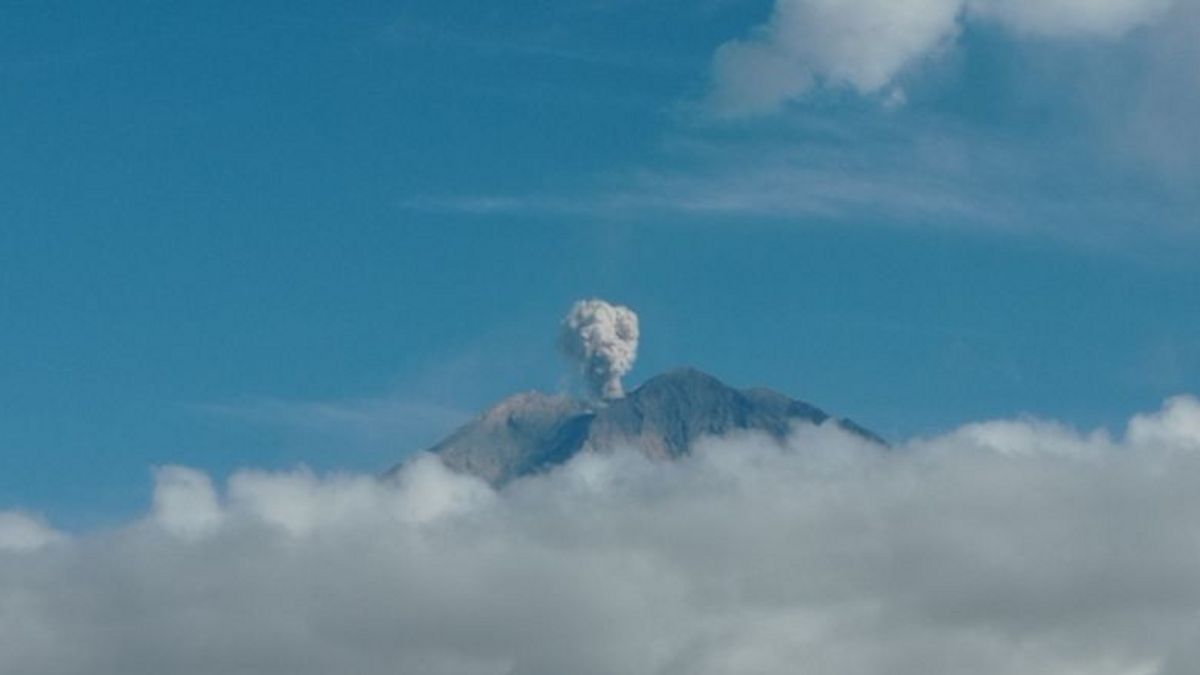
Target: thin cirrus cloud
365	419
1016	546
865	45
891	172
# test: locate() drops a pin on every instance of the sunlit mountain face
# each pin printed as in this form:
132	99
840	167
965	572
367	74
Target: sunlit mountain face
532	432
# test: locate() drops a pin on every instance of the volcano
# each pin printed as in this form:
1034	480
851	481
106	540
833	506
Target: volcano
663	418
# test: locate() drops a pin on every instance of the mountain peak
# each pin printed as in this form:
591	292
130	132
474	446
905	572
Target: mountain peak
663	418
683	374
679	379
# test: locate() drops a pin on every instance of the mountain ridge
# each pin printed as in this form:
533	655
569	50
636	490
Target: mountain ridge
531	432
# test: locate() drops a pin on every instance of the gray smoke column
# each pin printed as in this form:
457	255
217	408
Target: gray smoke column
602	338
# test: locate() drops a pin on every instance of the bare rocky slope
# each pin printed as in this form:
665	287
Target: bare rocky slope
533	432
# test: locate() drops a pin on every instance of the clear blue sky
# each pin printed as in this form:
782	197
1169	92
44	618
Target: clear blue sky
271	233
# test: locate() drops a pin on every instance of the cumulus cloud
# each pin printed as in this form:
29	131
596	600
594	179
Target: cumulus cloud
861	44
1000	548
20	532
1177	424
185	502
865	45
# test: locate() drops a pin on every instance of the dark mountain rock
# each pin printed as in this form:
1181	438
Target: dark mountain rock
663	418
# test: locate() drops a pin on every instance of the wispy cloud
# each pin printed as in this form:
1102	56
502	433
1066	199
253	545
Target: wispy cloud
362	420
889	171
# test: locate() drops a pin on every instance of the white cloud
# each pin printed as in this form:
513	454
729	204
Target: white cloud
866	45
1067	18
1003	547
861	44
185	502
22	533
1177	424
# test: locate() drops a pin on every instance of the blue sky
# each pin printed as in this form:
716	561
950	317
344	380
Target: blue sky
323	233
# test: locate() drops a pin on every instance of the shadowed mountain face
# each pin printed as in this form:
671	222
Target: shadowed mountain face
532	432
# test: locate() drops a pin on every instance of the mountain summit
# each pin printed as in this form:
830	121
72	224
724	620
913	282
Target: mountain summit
532	432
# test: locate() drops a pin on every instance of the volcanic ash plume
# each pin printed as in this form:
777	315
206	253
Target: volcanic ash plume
602	338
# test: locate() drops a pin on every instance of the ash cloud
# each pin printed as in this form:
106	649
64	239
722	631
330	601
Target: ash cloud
1010	547
601	339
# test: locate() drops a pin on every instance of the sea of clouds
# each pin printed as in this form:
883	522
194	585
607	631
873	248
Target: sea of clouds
1002	547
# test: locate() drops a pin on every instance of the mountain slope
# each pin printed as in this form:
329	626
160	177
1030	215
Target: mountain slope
663	418
520	435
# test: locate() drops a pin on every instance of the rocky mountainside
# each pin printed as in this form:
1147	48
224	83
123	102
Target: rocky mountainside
532	432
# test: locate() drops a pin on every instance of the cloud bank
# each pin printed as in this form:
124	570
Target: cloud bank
865	45
1007	547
